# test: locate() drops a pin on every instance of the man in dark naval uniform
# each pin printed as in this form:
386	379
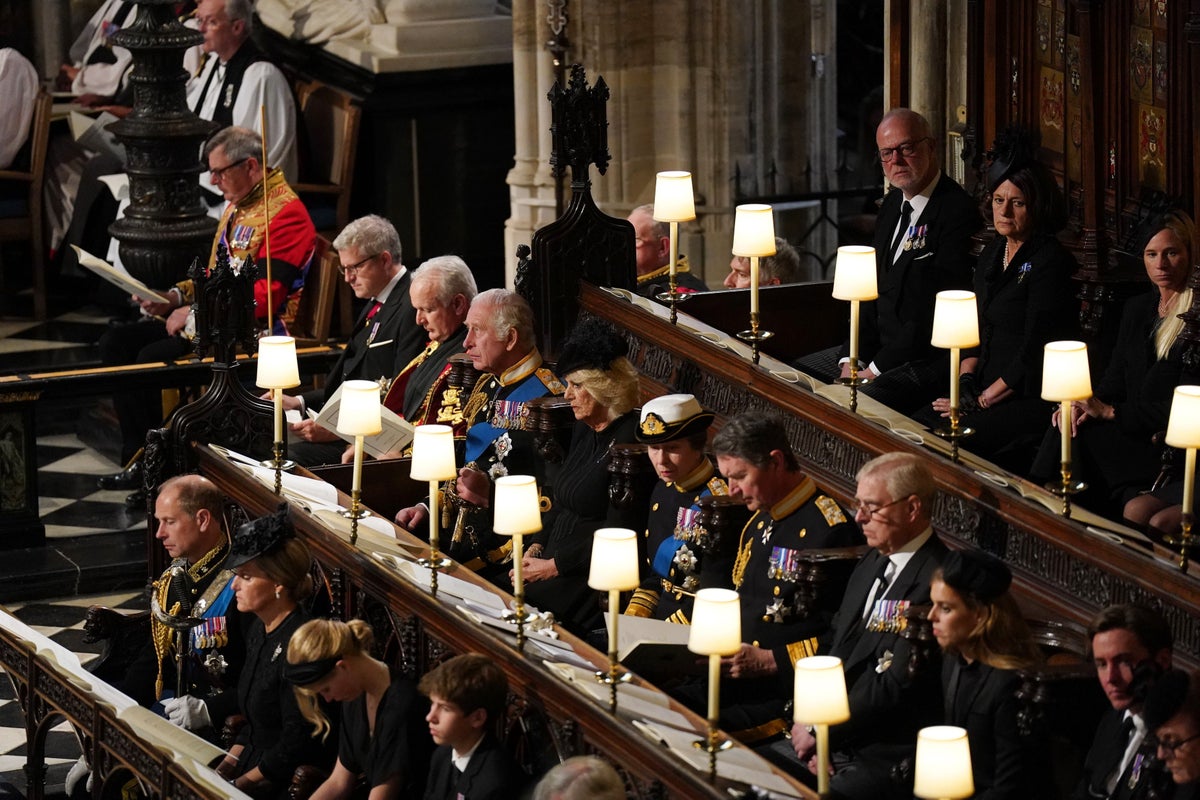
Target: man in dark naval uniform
197	584
674	429
653	253
500	342
790	515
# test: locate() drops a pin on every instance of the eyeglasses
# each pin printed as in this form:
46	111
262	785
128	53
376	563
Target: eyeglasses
218	173
1171	747
871	509
906	149
356	265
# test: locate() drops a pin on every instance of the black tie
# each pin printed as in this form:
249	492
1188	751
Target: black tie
881	576
905	217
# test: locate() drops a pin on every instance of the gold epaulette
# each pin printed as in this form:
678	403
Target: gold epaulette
830	510
551	381
718	487
802	649
643	603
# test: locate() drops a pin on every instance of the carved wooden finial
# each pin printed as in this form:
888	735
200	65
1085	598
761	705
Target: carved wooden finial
579	126
224	306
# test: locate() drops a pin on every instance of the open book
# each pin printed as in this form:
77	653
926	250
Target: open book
94	134
397	434
117	277
654	647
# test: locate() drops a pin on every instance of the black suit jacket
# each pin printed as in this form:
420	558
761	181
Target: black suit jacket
1106	752
885	706
491	774
896	328
396	342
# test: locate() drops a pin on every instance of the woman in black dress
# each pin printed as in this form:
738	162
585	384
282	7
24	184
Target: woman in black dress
602	389
985	642
1113	451
1024	299
384	745
271	580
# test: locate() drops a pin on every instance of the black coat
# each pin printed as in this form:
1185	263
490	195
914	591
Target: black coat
491	774
1108	748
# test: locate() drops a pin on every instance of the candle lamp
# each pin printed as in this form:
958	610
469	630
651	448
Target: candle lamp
433	461
358	416
674	203
277	370
716	631
614	569
1183	430
1065	379
943	764
854	279
754	238
955	326
517	514
820	700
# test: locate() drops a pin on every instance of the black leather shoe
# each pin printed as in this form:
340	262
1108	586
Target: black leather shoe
128	478
136	501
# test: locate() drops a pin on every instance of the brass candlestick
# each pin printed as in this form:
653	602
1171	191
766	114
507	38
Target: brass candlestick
954	433
754	336
853	382
1066	487
1185	541
712	743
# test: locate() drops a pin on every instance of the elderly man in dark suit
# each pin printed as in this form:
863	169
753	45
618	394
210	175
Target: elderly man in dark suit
888	706
922	246
386	336
1130	646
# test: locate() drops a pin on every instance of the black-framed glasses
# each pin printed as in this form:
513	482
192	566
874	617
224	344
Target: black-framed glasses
357	264
219	172
1171	747
906	149
871	509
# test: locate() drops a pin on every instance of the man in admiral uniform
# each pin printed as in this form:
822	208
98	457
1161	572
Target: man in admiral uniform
790	515
1130	646
166	330
894	503
653	252
500	343
922	246
678	558
191	526
386	335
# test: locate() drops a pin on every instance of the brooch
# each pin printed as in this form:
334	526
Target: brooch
275	655
885	662
1023	270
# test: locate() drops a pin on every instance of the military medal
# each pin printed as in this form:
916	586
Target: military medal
908	237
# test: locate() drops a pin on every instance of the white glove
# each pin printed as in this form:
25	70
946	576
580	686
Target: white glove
187	712
79	771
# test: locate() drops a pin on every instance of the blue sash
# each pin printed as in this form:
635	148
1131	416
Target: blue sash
483	433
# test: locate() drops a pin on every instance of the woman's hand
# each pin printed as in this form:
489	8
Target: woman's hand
534	569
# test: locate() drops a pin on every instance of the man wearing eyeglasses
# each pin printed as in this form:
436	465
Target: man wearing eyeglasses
1130	645
888	703
1172	712
922	246
386	335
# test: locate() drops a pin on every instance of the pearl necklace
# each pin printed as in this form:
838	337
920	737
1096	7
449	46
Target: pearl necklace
1004	263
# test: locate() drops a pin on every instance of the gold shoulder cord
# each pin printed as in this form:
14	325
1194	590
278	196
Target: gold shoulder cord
478	401
161	635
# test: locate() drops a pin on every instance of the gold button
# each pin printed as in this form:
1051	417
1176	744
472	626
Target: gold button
654	507
760	524
803	532
766	618
776	590
754	643
695	499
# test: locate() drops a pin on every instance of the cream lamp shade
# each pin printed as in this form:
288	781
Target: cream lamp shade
716	623
673	199
1183	427
1065	374
433	453
854	274
359	414
614	561
277	367
820	691
516	509
955	319
943	764
754	230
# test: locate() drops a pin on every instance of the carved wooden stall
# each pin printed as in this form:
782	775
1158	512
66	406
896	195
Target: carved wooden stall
1063	569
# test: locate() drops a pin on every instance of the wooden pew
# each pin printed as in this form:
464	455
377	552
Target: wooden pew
1062	569
426	629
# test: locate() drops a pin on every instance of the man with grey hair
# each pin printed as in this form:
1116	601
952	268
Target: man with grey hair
386	335
652	241
783	267
888	704
500	343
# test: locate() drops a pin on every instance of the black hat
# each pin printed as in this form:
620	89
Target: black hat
976	573
1165	697
259	536
1013	149
592	345
671	417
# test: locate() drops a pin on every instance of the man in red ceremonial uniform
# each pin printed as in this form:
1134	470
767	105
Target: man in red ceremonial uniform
234	157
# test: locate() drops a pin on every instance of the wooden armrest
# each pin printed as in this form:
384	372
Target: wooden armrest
10	175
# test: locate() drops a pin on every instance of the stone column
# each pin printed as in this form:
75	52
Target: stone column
928	70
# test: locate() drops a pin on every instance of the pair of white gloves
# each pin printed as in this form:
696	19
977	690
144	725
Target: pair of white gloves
187	712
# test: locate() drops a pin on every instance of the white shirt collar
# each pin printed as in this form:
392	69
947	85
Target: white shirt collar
461	760
387	290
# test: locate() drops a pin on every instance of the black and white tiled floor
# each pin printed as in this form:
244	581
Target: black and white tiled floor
62	621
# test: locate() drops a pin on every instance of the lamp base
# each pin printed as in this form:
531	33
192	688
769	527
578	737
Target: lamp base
672	298
287	465
953	434
611	677
441	563
354	513
853	382
1066	488
755	337
1185	541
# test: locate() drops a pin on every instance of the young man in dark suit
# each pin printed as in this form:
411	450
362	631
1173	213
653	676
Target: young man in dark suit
1126	641
467	696
386	336
922	246
894	503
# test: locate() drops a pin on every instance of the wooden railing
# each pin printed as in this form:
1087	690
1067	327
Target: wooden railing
1063	569
421	629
